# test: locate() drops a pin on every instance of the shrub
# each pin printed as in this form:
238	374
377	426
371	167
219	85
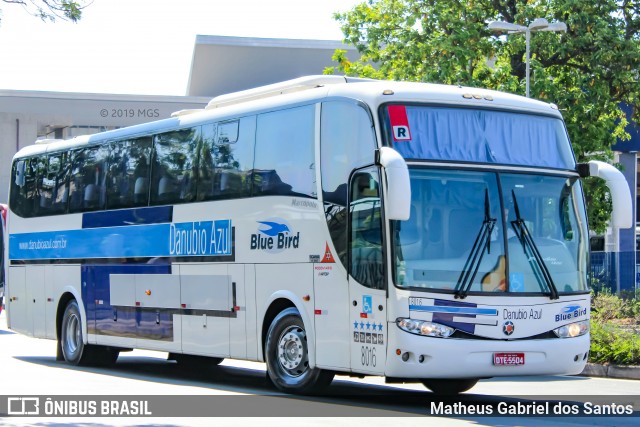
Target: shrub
631	306
612	344
605	307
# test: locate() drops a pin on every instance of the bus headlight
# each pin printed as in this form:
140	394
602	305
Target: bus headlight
422	327
572	330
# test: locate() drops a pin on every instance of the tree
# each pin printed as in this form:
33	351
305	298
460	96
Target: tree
50	10
587	71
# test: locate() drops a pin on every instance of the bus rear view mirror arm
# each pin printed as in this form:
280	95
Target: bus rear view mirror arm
618	187
398	184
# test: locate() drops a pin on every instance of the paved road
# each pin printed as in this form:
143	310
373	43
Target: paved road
239	391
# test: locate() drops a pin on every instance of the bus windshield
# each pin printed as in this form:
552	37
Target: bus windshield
484	231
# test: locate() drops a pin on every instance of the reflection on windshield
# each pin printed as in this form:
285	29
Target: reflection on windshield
531	251
447	212
447	245
553	211
482	243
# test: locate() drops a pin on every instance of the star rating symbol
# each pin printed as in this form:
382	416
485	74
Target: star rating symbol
368	326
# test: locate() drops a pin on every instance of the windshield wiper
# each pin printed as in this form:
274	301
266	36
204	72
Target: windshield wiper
538	266
482	242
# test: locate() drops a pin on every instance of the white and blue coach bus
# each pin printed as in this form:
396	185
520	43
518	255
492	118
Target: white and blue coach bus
323	225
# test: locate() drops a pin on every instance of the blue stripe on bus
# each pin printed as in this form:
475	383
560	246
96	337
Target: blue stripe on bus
446	312
186	239
454	310
121	217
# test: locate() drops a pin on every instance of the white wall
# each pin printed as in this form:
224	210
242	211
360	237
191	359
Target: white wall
36	112
15	129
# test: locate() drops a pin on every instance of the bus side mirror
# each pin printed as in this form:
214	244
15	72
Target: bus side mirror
398	197
618	187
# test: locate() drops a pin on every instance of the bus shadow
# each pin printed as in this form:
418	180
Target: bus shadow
545	379
342	396
152	369
341	392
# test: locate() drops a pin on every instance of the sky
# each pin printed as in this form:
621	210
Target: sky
144	46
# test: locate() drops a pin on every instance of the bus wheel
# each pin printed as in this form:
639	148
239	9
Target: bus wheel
287	356
71	334
74	350
453	386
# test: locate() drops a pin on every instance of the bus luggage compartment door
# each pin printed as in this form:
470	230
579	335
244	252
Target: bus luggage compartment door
18	318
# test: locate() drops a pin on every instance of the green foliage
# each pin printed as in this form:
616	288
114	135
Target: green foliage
587	71
606	306
50	10
613	344
612	341
631	306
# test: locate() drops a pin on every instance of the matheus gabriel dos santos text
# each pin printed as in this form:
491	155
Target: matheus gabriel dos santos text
529	408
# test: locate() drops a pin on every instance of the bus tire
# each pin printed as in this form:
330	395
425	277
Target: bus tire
449	386
287	356
74	350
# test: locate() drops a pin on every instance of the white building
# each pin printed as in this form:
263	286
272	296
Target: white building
219	65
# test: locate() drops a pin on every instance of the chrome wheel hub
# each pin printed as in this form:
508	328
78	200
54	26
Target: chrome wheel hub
72	334
292	351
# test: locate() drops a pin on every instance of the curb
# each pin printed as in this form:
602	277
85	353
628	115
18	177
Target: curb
611	371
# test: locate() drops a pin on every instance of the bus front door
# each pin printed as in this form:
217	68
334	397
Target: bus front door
369	329
367	293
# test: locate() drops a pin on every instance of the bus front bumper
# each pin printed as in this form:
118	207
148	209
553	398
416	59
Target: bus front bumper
413	356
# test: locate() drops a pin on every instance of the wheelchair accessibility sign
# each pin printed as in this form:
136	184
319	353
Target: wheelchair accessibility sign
367	304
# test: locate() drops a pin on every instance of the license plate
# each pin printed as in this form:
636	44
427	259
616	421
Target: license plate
508	359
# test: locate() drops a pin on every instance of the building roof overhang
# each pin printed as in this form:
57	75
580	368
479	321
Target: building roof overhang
223	64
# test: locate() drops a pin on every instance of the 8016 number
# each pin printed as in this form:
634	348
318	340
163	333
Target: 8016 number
368	356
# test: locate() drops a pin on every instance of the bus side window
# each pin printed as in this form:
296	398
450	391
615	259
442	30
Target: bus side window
139	169
129	173
174	167
347	142
118	190
53	186
226	159
87	184
285	158
23	191
18	173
